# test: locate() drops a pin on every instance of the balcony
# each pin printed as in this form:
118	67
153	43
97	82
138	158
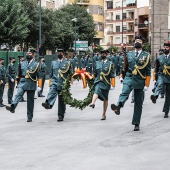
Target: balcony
110	33
83	2
143	26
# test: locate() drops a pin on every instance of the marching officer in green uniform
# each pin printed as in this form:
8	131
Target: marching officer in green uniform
42	70
28	82
83	62
89	64
2	81
137	73
11	74
121	62
60	69
162	70
21	59
104	79
75	62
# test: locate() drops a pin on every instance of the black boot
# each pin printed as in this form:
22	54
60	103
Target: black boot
166	115
116	109
46	105
10	108
136	128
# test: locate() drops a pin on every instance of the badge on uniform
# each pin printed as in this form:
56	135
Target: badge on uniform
142	60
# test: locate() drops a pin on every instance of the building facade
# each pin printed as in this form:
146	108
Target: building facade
124	19
96	9
160	24
119	23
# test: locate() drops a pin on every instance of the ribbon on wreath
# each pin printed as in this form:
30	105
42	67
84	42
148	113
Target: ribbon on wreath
83	75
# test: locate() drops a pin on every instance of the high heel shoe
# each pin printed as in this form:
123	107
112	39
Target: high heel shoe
92	106
103	118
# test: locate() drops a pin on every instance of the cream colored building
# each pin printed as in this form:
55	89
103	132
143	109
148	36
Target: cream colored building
119	23
96	9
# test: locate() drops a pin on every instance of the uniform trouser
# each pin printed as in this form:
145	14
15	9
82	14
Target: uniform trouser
167	98
2	86
163	91
159	87
51	98
30	101
138	102
43	81
11	86
117	70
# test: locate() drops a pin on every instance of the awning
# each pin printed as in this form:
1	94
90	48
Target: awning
130	2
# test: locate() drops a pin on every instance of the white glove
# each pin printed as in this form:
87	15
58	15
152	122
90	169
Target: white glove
12	80
121	80
1	82
112	88
39	89
145	88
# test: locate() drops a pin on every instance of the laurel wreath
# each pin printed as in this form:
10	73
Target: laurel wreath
67	96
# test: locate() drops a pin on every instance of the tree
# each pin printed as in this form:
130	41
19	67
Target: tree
65	27
147	47
113	49
13	22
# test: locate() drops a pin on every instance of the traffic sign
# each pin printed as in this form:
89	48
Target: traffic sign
80	44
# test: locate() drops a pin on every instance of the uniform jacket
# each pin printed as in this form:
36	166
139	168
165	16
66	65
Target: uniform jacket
42	68
28	82
136	81
56	74
106	68
11	72
2	74
161	62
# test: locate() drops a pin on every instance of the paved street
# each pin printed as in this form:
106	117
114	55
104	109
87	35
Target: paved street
83	141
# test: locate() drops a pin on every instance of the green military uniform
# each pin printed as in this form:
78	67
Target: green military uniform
82	62
11	74
29	73
19	74
42	70
121	62
2	83
89	65
59	72
75	63
137	69
162	70
103	73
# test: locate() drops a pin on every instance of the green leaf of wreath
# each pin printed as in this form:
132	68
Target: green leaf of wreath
67	96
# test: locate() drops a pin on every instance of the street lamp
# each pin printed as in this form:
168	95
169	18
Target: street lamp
74	20
122	21
40	12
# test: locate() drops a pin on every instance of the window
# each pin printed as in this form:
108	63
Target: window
136	22
117	17
118	4
100	10
109	4
124	15
117	28
100	27
103	40
117	40
124	28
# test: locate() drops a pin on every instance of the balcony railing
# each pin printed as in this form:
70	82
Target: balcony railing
142	25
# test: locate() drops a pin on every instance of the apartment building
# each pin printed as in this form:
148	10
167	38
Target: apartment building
53	4
119	23
124	19
96	9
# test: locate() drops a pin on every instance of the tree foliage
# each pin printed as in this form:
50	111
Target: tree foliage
113	49
14	22
19	24
65	26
